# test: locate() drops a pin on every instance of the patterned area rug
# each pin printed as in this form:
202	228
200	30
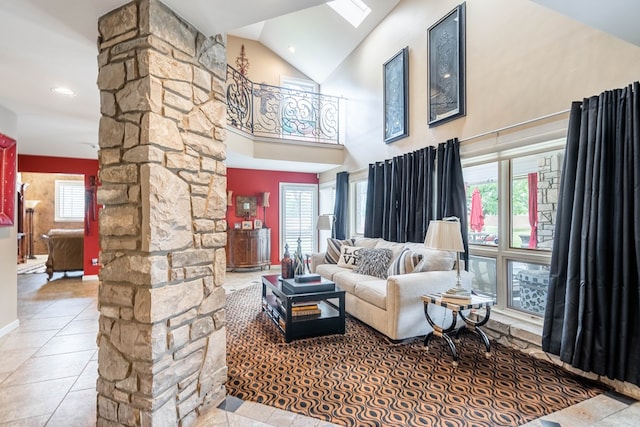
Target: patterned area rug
363	379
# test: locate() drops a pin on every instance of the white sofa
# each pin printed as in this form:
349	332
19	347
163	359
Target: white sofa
393	305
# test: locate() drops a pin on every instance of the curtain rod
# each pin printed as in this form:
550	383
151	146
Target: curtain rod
480	135
526	122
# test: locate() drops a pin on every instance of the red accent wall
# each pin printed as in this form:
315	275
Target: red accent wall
250	182
87	167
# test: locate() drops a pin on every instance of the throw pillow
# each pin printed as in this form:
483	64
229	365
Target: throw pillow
332	254
406	263
349	256
396	248
435	260
374	262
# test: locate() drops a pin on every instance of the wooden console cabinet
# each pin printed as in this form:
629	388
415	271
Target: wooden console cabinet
248	248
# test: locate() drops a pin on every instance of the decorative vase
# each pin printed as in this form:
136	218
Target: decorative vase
298	260
286	264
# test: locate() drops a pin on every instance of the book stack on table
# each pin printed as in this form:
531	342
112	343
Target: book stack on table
305	309
456	298
291	286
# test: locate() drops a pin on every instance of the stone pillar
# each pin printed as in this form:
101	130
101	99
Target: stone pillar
162	230
549	171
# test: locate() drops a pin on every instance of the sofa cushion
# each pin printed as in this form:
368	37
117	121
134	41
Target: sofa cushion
333	249
347	280
366	242
349	256
328	271
373	292
374	262
406	263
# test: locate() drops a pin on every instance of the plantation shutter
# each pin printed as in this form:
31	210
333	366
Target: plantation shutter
299	211
69	200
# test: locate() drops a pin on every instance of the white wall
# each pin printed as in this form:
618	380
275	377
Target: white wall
523	62
8	249
265	66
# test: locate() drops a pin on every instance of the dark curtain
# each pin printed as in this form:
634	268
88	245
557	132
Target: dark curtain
592	318
341	206
451	199
399	197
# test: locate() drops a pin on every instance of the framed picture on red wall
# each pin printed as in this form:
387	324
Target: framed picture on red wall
7	180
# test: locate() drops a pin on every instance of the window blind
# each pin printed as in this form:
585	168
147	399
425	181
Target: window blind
69	200
299	211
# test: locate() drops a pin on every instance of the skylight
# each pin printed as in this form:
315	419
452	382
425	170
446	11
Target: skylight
354	11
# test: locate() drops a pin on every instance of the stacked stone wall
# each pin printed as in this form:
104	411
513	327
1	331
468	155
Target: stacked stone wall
549	172
162	230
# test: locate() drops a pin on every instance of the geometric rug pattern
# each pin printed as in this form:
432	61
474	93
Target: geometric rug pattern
363	379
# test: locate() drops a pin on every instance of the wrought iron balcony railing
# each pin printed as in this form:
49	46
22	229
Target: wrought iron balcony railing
272	111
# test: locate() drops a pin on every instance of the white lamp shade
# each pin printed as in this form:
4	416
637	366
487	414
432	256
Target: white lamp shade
229	197
444	236
324	222
31	204
265	199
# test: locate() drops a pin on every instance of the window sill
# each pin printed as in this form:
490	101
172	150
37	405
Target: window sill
516	325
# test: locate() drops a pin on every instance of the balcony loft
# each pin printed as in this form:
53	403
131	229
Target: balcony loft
280	128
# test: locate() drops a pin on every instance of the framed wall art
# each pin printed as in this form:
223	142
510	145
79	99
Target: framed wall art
447	67
396	96
247	225
7	180
246	206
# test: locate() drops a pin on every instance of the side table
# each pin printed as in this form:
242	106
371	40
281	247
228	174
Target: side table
469	324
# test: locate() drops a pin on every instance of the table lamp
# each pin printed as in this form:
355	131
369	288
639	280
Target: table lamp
31	206
445	235
265	205
324	222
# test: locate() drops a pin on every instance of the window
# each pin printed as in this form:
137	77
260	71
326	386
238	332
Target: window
358	206
528	283
299	107
327	198
512	200
353	11
298	215
481	182
535	184
69	200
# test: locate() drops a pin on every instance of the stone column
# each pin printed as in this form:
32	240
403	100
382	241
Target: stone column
162	230
549	172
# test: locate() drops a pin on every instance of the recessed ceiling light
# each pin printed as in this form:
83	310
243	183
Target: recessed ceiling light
63	91
292	48
354	11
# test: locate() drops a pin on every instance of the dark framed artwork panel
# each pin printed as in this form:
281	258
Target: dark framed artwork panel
447	67
396	96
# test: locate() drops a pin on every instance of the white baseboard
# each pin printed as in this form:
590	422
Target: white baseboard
90	277
10	327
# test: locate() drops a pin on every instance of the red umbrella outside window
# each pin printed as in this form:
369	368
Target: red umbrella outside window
476	217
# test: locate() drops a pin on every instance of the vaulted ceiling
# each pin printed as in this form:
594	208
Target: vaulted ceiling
45	43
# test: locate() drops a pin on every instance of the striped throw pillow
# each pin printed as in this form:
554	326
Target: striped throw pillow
405	263
332	254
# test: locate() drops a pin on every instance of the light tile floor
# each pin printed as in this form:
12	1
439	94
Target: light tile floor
48	367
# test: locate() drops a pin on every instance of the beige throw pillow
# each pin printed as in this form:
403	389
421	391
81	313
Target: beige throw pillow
435	260
349	256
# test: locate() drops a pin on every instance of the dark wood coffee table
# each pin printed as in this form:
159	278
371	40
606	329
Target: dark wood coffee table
278	305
